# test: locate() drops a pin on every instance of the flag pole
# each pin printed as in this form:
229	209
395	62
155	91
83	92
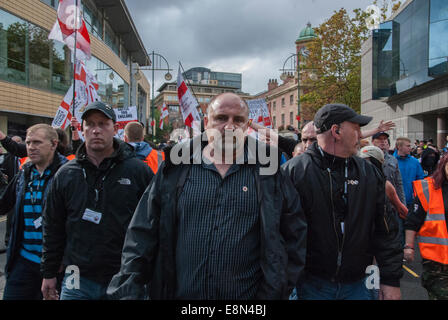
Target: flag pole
74	64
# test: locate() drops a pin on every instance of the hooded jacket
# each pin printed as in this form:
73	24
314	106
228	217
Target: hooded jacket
369	231
149	250
142	149
410	170
112	189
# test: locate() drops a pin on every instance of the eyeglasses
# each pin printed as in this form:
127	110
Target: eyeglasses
305	140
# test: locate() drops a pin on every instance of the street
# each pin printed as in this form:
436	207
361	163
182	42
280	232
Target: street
410	284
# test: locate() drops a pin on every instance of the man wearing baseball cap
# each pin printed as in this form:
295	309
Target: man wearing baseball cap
343	197
89	208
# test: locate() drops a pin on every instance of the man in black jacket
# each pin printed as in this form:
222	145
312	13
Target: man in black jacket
215	228
343	199
89	208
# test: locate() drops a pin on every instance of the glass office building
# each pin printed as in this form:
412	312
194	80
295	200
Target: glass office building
201	75
36	73
412	49
404	68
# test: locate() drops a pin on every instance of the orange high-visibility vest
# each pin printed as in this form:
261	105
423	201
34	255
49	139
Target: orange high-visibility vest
433	235
155	159
25	159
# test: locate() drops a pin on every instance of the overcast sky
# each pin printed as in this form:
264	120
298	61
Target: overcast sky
251	37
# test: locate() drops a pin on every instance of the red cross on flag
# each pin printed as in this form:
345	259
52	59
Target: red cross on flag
187	102
165	114
86	88
70	21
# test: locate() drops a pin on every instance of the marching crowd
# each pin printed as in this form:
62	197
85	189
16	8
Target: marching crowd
240	217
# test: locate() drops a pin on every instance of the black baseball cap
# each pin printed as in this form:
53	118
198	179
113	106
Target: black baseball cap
336	113
379	134
106	109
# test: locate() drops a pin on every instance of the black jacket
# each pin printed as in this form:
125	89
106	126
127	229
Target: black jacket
149	250
70	240
13	198
369	230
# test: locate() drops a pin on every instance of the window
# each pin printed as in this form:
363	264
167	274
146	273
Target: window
124	55
438	47
111	39
39	58
93	20
112	88
291	118
283	102
274	105
61	76
27	56
291	99
283	119
13	37
52	3
274	122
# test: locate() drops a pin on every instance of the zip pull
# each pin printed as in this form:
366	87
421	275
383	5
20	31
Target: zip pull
96	195
339	259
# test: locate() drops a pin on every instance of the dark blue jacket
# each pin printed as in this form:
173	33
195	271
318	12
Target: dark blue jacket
13	196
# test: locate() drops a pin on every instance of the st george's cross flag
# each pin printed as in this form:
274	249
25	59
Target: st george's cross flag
71	26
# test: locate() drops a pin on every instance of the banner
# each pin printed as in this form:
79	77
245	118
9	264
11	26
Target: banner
124	116
259	112
85	93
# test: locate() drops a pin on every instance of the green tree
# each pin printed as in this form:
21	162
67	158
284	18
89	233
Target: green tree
334	59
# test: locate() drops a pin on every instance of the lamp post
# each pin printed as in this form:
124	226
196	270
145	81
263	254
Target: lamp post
157	65
294	66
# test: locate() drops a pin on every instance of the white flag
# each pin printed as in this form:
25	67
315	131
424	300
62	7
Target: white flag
70	21
188	104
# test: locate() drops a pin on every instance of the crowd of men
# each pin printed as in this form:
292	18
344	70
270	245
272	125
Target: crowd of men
240	217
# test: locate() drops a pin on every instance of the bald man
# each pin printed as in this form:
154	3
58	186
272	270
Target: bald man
227	232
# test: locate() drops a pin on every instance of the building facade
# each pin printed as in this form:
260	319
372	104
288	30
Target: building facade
203	93
405	72
200	75
35	73
282	100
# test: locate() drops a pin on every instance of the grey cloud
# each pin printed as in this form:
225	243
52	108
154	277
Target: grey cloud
211	32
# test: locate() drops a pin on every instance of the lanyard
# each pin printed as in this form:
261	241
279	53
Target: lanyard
99	190
33	193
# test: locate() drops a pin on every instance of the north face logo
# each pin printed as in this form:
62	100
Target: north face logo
124	181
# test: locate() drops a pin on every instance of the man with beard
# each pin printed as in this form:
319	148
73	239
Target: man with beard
215	226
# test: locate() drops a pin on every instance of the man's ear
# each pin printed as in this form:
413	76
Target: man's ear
116	126
54	144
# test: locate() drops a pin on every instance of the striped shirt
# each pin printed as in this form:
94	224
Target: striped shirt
218	245
32	214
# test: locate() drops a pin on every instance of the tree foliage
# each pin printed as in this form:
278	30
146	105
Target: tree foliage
334	59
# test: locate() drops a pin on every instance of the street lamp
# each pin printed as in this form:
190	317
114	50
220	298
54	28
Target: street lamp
294	66
156	65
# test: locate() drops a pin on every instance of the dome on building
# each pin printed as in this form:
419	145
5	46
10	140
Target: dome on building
307	33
